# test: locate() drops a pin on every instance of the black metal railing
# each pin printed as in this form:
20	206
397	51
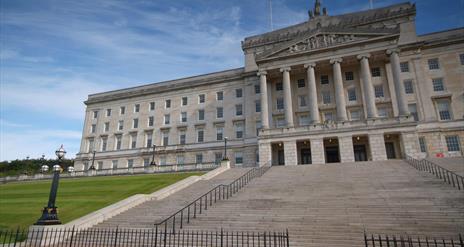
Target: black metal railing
403	241
446	175
201	204
64	237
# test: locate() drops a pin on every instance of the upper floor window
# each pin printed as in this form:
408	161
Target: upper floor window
167	104
461	58
220	95
104	143
257	106
328	116
201	114
279	86
304	119
404	66
452	142
438	84
95	114
239	110
200	135
382	112
355	115
443	107
201	98
108	112
165	138
133	140
326	97
182	135
324	79
302	101
375	72
118	142
349	76
152	106
183	117
149	138
257	89
238	92
219	112
122	110
184	101
167	119
259	126
219	133
121	125
93	128
239	130
378	90
301	83
136	107
280	103
413	110
106	127
352	94
433	63
408	88
135	123
151	121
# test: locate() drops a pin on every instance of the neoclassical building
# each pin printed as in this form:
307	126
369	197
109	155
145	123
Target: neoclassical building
346	88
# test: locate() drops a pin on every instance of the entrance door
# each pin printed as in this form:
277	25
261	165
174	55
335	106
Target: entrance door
390	148
305	156
360	153
331	154
280	157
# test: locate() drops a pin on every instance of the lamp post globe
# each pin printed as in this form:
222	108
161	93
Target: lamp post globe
60	153
44	168
71	169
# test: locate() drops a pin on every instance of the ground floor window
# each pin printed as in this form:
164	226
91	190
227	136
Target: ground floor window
452	142
422	144
199	158
238	158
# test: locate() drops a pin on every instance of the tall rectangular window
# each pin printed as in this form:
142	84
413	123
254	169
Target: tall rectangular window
167	119
408	88
257	106
219	112
238	158
326	97
404	66
349	76
91	147
133	141
151	121
413	110
280	122
182	137
452	142
152	106
259	126
443	107
121	125
302	101
180	159
280	103
183	117
238	93
165	138
375	72
162	160
93	128
257	89
114	164
433	64
238	110
382	112
352	94
184	101
122	110
137	108
149	142
303	120
378	89
301	83
167	103
438	84
217	158
95	114
135	123
279	86
220	95
219	133
201	114
324	79
200	135
130	163
108	112
201	98
328	116
461	58
118	142
422	144
199	158
106	127
104	143
146	162
239	130
355	115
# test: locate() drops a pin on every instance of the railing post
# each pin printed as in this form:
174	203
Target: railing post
116	236
72	236
181	217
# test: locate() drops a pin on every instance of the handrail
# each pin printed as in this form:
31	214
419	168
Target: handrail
442	173
220	192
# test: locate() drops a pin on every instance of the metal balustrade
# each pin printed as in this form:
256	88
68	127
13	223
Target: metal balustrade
400	241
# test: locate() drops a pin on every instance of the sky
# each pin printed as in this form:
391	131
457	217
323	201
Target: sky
54	53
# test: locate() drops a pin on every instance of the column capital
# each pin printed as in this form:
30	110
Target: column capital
285	69
307	65
336	60
261	72
364	55
393	50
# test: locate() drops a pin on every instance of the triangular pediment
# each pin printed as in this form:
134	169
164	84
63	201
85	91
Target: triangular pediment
321	39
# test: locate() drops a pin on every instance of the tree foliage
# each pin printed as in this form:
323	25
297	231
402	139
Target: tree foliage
30	166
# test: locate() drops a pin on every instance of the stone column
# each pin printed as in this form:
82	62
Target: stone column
265	154
399	87
339	91
377	146
313	107
264	102
290	153
369	96
287	96
346	148
317	150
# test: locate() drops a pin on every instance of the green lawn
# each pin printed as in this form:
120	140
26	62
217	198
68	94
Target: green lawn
21	202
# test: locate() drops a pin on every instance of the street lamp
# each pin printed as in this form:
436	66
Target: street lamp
92	167
153	163
225	149
49	213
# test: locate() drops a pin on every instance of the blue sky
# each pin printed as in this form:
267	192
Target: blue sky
54	53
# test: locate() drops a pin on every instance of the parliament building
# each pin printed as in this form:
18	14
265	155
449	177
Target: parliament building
346	88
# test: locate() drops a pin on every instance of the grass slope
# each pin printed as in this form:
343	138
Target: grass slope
21	203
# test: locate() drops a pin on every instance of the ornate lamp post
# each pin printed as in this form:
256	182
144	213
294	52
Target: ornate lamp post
153	163
49	213
92	166
225	149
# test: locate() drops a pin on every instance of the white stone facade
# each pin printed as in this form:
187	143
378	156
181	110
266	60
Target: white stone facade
360	86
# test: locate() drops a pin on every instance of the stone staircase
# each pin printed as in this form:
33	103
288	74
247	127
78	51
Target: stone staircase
331	205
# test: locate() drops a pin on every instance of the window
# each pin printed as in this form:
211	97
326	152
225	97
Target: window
182	137
279	86
121	125
122	110
151	121
183	117
404	66
199	158
328	116
118	142
326	97
349	76
136	107
130	163
95	114
220	95
217	158
302	101
375	72
106	127
461	58
408	89
184	101
133	140
280	122
443	107
219	112
259	126
239	130
301	83
238	92
452	142
352	94
93	128
238	110
165	138
146	162
280	103
433	64
108	112
355	115
422	144
378	89
104	143
238	158
114	164
91	146
163	160
324	79
201	114
257	106
152	106
413	110
99	165
438	84
201	98
135	123
149	141
86	165
257	89
219	133
200	135
382	112
303	120
167	119
167	103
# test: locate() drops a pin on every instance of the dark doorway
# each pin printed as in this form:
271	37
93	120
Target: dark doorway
360	153
331	154
280	158
305	156
390	149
